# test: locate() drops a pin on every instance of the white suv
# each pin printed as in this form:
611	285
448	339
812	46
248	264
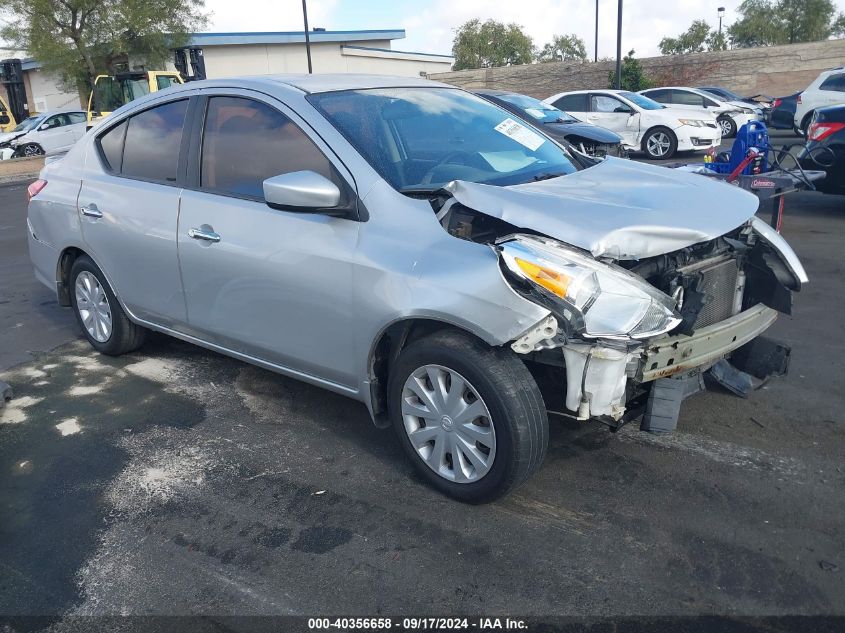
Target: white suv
828	89
643	124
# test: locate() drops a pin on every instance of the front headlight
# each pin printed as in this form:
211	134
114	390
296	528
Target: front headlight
599	300
692	122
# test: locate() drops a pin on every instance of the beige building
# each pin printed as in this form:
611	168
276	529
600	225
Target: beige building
230	54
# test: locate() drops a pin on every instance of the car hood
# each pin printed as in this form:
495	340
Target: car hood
8	136
585	130
618	209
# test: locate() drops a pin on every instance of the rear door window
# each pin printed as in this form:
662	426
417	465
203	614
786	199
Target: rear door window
247	141
682	97
661	95
572	103
153	140
77	117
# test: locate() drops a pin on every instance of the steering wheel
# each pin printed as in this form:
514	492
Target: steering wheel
449	159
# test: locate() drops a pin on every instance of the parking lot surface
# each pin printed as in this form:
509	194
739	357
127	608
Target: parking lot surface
174	480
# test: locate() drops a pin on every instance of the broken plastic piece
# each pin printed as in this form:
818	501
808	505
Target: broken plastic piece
731	378
545	330
763	357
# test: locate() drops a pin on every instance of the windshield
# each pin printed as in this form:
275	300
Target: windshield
28	124
712	95
642	101
423	138
537	109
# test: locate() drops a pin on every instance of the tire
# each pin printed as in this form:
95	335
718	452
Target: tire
31	149
805	123
728	126
87	284
654	135
508	415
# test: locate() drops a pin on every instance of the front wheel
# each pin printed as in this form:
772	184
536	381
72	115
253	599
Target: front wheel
660	143
31	149
470	417
728	127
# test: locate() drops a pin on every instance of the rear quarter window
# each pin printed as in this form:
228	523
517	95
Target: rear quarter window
111	147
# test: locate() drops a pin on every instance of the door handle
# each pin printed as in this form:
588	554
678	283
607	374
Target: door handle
92	211
203	234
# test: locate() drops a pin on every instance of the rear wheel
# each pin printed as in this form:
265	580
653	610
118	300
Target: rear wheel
470	417
98	312
660	143
728	127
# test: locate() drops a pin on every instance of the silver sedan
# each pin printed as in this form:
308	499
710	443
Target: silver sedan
411	246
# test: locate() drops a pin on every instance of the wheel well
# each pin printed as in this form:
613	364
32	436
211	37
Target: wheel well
657	127
386	350
66	259
805	122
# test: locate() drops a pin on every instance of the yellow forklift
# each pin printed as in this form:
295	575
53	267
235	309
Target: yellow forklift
113	91
13	110
7	119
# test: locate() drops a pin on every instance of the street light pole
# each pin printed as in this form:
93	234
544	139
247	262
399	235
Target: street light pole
597	32
618	85
721	12
307	38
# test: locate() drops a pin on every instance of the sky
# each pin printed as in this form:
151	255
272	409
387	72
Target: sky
430	24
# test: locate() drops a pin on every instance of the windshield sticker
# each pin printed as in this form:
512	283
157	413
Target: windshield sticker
520	134
535	112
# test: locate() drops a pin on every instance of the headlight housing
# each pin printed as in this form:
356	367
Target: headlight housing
599	300
692	122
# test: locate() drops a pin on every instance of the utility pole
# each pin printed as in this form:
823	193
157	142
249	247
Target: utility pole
721	12
307	38
597	33
618	85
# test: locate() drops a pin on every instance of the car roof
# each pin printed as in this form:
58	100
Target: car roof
491	92
328	82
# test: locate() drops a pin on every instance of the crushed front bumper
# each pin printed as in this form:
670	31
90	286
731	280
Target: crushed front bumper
671	355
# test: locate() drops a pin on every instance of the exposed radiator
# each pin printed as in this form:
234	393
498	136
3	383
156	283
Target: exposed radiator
719	283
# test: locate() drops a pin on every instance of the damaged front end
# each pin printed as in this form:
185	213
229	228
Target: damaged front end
631	330
635	336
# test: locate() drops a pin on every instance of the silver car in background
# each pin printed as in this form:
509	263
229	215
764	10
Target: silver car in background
409	245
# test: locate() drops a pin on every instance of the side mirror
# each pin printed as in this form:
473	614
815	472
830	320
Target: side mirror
303	191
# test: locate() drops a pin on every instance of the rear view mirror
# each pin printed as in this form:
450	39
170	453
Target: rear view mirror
304	191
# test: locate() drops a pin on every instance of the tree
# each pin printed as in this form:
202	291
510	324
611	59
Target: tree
79	39
771	22
697	38
633	75
690	41
563	48
483	45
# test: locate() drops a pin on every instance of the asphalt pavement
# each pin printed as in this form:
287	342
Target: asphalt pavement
174	480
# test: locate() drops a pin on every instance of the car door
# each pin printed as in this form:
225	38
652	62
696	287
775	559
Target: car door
78	124
54	134
615	115
129	205
271	284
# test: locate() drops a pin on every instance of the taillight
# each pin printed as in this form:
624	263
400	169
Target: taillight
799	99
777	103
35	188
820	131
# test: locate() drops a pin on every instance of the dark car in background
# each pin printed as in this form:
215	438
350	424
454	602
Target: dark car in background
762	101
782	114
587	138
825	148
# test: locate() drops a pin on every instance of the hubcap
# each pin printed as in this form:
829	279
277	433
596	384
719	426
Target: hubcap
31	150
658	144
448	424
726	127
93	306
